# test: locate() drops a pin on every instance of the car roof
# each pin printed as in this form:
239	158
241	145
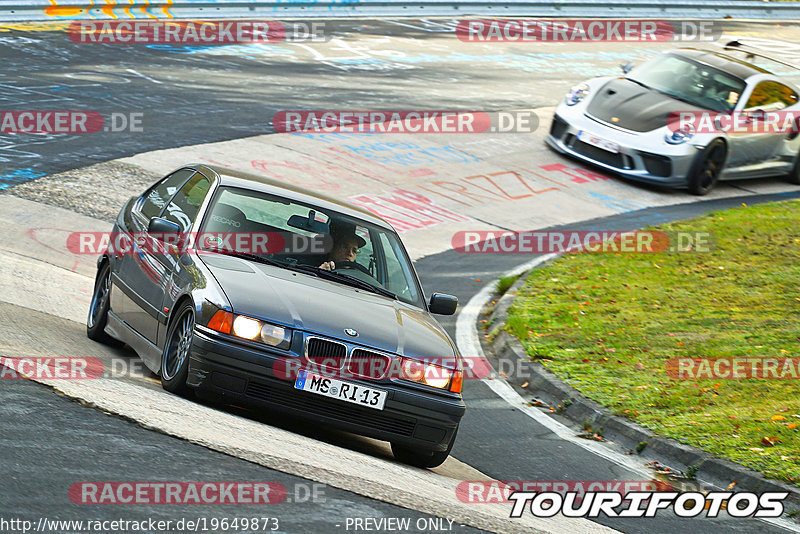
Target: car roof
254	182
724	62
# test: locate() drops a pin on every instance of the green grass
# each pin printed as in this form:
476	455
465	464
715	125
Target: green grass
608	323
504	283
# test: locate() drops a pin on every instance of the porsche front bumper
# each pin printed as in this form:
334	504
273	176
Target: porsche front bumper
641	156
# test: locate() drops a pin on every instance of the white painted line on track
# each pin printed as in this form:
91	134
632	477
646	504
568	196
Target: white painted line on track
469	345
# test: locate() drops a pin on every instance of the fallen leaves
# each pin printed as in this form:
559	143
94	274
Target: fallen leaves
770	441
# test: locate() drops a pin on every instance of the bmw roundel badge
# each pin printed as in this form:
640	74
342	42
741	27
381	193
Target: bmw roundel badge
350	332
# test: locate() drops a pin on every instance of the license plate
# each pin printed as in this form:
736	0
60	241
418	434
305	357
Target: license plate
599	142
337	389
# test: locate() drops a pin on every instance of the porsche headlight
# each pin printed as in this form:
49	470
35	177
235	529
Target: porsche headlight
576	94
680	136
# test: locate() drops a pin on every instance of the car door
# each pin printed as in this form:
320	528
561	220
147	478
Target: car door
760	143
183	210
141	277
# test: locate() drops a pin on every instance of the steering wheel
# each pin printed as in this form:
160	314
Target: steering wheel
352	265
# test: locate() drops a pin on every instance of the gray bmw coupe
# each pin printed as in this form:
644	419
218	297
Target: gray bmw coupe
257	292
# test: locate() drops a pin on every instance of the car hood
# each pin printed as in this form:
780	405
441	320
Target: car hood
628	105
327	308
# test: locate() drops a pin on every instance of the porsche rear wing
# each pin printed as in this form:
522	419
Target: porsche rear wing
752	52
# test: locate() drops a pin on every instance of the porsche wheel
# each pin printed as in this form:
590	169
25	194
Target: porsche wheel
707	168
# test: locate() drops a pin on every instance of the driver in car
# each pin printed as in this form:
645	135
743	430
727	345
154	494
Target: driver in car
345	248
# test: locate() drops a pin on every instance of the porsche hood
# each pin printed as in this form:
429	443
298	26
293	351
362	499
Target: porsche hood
628	105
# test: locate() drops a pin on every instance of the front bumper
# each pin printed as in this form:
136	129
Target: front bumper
643	157
243	375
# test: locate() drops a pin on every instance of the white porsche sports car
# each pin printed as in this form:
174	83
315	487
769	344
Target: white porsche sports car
686	118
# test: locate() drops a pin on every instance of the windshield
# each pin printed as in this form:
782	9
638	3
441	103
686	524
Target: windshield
305	238
689	81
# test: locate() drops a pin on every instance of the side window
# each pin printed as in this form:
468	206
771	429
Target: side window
770	96
399	274
366	254
185	205
158	196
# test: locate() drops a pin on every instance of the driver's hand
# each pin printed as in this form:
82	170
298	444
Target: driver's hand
328	266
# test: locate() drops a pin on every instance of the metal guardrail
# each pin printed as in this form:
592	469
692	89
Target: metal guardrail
39	10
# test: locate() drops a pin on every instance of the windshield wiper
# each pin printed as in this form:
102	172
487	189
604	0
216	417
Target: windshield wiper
346	279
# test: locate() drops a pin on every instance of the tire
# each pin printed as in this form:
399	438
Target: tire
707	167
98	308
175	358
422	458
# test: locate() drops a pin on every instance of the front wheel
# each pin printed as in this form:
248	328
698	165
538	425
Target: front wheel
98	309
423	458
707	167
175	359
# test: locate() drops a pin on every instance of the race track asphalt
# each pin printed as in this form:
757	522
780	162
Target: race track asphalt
191	95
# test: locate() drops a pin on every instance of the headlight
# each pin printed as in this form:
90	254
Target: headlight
432	375
252	329
576	94
276	336
246	327
679	136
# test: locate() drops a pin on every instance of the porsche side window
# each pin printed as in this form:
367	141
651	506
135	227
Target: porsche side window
185	205
770	96
158	196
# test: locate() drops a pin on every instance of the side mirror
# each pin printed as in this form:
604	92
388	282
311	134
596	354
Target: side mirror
157	225
626	67
442	304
